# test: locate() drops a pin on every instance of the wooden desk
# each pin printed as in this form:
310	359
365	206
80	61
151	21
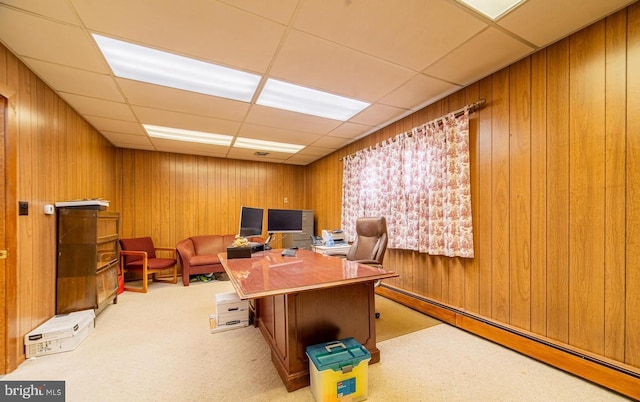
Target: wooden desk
306	300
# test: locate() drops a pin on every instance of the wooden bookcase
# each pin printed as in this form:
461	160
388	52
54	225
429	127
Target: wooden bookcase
88	256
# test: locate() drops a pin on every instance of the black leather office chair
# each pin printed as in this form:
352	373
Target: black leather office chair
370	243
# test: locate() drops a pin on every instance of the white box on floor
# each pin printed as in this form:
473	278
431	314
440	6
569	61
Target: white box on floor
230	303
233	318
61	333
231	312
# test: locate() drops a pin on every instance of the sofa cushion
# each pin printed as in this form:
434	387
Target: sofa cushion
207	259
208	244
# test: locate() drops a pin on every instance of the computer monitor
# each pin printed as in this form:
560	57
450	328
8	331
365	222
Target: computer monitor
250	221
284	221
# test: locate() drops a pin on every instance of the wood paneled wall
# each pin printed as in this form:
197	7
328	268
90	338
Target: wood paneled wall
173	196
555	193
59	156
166	196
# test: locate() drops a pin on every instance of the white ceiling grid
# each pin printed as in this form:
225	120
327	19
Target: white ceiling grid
397	55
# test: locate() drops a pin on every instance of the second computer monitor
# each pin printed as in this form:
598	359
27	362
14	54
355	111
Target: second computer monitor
284	221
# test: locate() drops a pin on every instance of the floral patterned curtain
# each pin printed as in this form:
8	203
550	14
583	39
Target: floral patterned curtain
420	182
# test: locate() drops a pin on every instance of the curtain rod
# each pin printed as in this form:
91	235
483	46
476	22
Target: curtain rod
456	113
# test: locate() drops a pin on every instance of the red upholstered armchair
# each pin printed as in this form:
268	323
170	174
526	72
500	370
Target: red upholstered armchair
139	254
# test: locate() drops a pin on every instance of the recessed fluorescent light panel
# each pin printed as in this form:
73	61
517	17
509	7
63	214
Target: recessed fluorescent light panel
261	145
492	8
299	99
161	68
177	134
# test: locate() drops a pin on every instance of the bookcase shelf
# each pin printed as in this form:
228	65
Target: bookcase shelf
88	256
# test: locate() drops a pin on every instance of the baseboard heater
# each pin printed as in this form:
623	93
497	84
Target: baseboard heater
511	330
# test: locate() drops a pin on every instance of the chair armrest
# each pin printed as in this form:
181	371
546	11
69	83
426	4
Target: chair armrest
170	249
185	249
185	252
142	254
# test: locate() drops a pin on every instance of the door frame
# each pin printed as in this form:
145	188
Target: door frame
9	236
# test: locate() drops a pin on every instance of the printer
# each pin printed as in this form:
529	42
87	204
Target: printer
336	235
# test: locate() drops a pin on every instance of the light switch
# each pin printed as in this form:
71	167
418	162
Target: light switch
23	208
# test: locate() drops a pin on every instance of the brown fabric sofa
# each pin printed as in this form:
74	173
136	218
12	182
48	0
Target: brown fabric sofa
199	254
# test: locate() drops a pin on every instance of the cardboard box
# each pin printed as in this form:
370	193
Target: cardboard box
231	312
338	370
213	325
229	303
62	333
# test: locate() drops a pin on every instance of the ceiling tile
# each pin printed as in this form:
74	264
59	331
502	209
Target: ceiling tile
267	116
350	130
324	65
248	151
250	154
56	9
204	29
276	134
489	51
184	147
414	92
158	97
299	159
166	118
87	106
331	142
277	10
120	139
316	151
116	126
542	22
43	39
378	114
79	82
413	35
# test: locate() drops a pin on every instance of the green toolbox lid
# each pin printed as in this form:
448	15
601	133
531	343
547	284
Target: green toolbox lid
342	355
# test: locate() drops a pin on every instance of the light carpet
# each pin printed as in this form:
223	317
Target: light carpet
397	320
158	347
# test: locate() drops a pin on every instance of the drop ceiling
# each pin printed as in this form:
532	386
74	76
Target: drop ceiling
397	55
